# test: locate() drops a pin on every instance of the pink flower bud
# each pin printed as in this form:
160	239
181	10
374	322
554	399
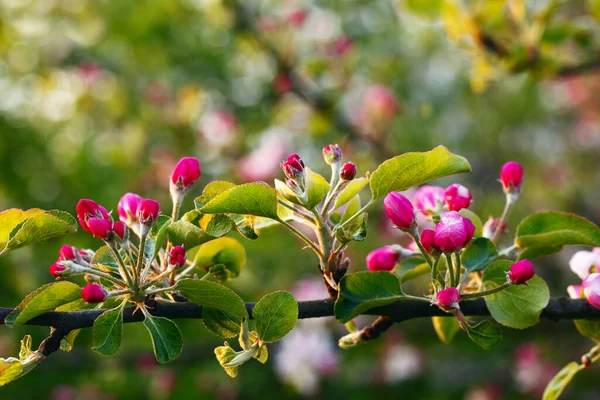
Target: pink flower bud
470	229
343	45
427	240
297	17
348	171
56	269
186	172
520	272
457	197
100	228
451	232
120	229
177	256
382	259
591	289
293	167
430	199
93	293
87	254
67	252
128	207
448	298
399	210
148	212
583	262
574	291
332	154
511	176
380	103
90	209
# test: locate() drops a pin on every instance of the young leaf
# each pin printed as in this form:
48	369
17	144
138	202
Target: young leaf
225	355
220	323
446	328
588	328
485	334
212	295
248	199
364	290
166	338
104	259
317	188
517	306
226	251
107	331
216	225
275	315
561	380
411	169
45	298
187	234
242	357
211	191
13	368
553	228
263	354
352	189
478	254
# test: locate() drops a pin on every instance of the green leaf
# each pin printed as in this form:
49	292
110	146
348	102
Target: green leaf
211	191
561	380
157	237
226	251
478	254
220	323
538	251
45	298
588	328
352	189
13	368
104	259
446	328
67	342
166	338
216	225
317	188
275	315
263	354
408	264
553	228
287	193
187	234
22	228
107	331
242	357
485	334
212	295
225	355
517	306
428	9
364	290
244	225
411	169
475	220
249	199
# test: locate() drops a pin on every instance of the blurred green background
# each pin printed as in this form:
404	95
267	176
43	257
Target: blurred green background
99	98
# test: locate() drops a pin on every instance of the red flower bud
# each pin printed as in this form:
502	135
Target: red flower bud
297	16
451	233
591	289
348	171
511	175
293	167
177	256
382	259
94	293
148	212
67	252
282	84
128	207
399	209
120	229
87	209
186	172
343	45
520	272
427	240
100	228
56	269
448	298
332	154
457	197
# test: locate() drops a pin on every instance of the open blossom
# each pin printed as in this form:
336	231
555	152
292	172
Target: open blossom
399	210
584	262
382	259
87	209
448	298
128	207
186	172
520	272
430	199
511	176
457	197
591	289
453	231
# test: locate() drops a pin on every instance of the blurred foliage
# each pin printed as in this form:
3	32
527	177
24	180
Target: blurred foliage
98	98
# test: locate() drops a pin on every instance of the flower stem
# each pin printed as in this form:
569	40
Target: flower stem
357	214
122	268
450	268
303	237
458	267
502	220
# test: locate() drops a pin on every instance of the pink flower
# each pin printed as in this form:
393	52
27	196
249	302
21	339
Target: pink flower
457	197
186	172
583	262
128	207
430	199
520	272
148	212
177	256
448	298
67	252
56	269
87	209
348	171
219	128
511	175
427	240
591	289
100	228
297	16
574	291
399	210
382	259
262	163
380	103
451	233
332	154
94	293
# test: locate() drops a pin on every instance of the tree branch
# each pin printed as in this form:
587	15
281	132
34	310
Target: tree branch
402	310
